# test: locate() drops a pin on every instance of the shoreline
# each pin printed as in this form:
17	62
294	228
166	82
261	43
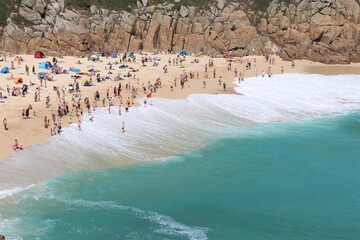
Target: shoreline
31	131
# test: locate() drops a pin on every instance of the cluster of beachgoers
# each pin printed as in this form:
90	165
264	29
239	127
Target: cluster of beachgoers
40	95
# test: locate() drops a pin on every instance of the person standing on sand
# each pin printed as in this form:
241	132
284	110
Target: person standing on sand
224	86
27	69
5	124
123	127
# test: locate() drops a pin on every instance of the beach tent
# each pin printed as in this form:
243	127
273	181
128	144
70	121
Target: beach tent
93	58
39	54
85	83
132	55
227	54
45	65
18	80
76	70
5	70
184	53
114	55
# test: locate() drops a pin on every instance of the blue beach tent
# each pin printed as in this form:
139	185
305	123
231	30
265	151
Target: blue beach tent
184	53
5	70
45	65
76	70
132	55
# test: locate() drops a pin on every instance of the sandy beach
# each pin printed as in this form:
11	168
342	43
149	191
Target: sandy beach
31	130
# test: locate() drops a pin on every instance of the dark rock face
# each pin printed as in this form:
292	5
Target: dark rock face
321	30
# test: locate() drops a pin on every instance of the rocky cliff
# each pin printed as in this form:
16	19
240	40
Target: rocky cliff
321	30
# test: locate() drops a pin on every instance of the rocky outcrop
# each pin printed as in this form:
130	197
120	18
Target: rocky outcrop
56	29
321	30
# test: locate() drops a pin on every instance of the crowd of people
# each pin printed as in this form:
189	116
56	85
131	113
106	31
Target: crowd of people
69	102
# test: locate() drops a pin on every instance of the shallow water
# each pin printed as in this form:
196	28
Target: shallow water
293	181
281	162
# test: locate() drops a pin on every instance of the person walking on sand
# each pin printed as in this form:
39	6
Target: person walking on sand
224	86
79	125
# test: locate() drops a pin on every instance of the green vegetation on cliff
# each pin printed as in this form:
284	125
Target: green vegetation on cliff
7	6
128	4
107	4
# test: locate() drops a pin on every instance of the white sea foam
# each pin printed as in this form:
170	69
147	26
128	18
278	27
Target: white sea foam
9	192
171	126
166	225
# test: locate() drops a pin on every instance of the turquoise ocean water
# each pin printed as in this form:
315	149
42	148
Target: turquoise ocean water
295	180
280	161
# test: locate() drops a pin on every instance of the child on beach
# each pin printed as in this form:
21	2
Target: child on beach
17	145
